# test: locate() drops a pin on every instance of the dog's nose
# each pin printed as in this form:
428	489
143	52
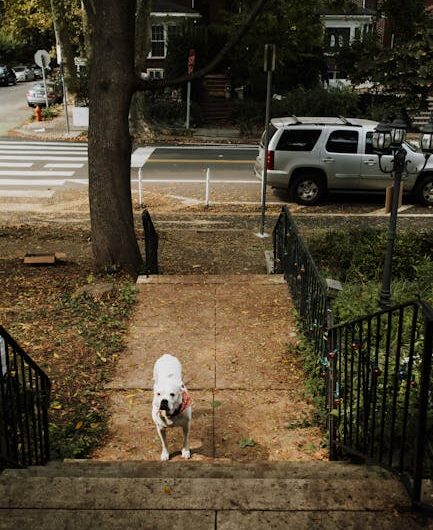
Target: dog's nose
163	405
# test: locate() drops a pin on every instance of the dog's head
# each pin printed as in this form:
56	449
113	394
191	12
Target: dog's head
168	396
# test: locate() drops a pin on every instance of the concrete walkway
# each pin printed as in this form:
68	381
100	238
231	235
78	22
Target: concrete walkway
235	337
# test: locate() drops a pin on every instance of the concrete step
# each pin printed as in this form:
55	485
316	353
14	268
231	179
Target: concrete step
140	469
108	493
13	519
86	495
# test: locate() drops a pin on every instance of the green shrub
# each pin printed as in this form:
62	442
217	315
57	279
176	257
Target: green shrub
357	254
317	102
249	113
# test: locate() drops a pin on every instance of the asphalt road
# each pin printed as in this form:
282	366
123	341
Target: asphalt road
13	106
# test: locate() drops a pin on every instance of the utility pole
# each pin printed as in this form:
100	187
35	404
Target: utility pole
269	67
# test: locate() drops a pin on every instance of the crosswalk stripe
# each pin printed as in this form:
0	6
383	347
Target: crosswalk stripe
42	148
36	173
16	164
35	182
37	153
50	158
62	144
65	166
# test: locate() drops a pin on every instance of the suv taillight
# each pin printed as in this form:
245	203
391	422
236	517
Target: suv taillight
270	160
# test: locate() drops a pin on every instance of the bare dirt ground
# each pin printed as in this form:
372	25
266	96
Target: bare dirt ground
79	340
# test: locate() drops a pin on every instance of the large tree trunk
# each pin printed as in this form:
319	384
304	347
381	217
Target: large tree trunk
111	84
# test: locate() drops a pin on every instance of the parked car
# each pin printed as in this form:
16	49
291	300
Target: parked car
36	94
7	75
311	156
37	70
23	73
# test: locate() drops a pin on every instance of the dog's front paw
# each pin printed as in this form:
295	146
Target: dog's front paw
186	453
165	455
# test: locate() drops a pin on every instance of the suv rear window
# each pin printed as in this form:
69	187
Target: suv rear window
342	142
298	139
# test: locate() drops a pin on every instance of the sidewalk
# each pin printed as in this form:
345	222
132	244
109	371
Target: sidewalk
54	130
235	337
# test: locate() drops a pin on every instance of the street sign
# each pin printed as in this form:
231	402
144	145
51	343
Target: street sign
269	64
42	58
191	61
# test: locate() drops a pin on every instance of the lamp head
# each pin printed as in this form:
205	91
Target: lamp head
381	139
427	137
398	132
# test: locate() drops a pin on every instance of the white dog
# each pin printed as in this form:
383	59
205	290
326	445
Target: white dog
171	405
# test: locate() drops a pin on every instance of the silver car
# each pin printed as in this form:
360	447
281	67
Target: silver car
36	94
23	73
311	156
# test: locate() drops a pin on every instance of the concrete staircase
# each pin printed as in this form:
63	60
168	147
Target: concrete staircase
90	494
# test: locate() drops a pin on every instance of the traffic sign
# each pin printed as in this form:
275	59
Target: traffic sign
191	61
42	58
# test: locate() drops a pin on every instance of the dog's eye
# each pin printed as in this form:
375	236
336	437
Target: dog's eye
172	395
158	393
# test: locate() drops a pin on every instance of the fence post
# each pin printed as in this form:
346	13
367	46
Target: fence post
332	359
151	244
423	405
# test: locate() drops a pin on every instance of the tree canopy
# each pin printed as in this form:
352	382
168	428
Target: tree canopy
296	30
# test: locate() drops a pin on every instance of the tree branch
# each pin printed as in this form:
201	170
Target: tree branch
147	84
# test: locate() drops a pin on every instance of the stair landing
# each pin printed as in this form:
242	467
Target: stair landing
236	338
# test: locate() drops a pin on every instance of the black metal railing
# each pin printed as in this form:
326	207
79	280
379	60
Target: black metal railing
380	391
151	241
307	286
378	369
24	402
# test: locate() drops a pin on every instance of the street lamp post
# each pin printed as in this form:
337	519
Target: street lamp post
388	137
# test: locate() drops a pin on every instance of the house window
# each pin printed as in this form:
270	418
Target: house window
155	73
158	41
337	37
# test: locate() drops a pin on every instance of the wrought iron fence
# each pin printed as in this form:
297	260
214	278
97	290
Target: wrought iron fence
24	402
378	369
307	286
151	241
381	391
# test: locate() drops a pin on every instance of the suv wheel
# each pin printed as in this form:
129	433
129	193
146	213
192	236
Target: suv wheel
424	190
308	189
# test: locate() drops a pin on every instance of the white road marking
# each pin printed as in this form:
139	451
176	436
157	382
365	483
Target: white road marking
37	153
211	147
81	145
42	148
36	173
64	166
35	182
140	156
16	164
194	181
51	158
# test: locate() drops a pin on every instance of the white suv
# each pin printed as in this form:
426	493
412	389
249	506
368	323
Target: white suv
310	156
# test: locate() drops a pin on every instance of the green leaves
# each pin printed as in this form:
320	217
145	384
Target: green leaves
246	442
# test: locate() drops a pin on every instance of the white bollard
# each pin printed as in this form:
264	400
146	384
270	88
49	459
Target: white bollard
140	202
207	192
